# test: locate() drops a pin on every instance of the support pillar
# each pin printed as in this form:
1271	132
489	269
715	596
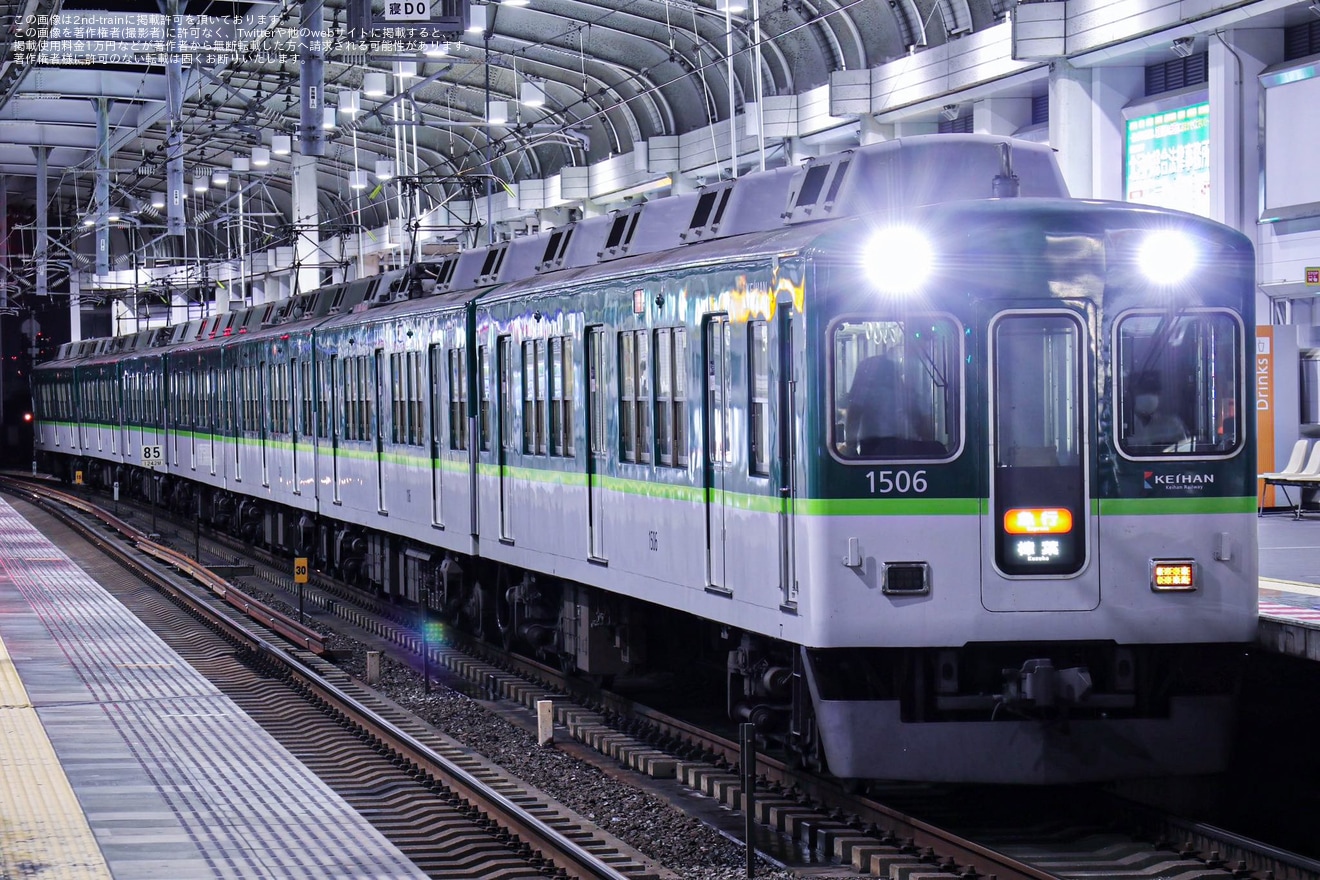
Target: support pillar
1070	125
41	254
306	224
1112	89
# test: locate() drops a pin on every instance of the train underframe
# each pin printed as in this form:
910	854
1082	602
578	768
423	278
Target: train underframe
1040	712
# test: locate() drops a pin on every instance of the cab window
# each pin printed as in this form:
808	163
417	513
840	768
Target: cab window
895	388
1178	384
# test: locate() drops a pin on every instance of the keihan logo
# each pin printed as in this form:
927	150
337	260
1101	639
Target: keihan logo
1183	482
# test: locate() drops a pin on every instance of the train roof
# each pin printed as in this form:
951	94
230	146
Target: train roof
886	178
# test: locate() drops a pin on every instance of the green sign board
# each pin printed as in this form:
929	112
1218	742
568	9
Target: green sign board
1167	159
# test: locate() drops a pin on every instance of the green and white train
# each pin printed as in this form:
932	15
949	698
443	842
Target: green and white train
940	467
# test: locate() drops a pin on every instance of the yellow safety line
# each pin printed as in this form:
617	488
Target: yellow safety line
1289	586
42	828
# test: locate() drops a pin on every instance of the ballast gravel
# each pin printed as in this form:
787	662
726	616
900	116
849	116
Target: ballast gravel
679	842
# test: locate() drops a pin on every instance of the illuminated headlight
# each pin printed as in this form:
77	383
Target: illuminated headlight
898	259
1172	575
1167	257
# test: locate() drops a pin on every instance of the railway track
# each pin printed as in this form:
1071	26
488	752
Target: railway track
815	814
453	813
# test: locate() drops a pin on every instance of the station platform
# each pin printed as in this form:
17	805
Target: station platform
1290	584
119	760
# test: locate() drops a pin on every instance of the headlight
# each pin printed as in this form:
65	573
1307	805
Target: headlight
898	259
1167	257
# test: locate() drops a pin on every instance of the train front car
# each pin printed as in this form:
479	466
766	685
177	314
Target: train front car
1037	558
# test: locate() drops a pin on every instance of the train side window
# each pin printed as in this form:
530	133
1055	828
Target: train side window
1178	383
561	396
398	418
679	403
322	400
483	389
627	398
534	397
664	381
367	411
758	343
896	388
635	396
413	364
504	371
457	399
351	404
540	392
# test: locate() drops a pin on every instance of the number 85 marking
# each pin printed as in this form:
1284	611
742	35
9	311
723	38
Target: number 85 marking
886	482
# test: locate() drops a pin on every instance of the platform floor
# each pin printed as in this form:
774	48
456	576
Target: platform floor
119	760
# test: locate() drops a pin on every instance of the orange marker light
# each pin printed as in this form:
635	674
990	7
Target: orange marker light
1038	521
1173	575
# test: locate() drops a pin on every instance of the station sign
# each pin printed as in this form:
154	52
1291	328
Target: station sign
1167	159
1313	274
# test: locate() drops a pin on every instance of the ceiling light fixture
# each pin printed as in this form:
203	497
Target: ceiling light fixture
374	85
476	19
158	200
201	181
384	169
281	144
328	118
260	157
357	180
531	94
220	177
350	102
497	112
405	69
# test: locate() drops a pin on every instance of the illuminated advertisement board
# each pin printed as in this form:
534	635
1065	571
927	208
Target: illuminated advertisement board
1168	159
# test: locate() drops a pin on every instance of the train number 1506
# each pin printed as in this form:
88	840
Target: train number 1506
886	482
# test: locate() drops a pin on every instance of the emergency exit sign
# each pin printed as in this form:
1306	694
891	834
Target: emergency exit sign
1313	274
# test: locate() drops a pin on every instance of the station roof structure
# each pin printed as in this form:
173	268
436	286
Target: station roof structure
137	132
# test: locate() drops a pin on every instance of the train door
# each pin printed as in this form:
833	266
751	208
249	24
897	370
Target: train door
295	397
237	407
128	390
263	417
719	449
597	448
436	367
333	417
1037	534
383	395
194	415
787	478
505	438
215	402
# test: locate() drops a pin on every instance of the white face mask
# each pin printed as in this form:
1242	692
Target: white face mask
1146	404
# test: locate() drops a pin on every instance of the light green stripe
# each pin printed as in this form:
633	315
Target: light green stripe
888	506
1167	506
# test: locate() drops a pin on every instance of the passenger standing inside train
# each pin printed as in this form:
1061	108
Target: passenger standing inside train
1152	423
883	418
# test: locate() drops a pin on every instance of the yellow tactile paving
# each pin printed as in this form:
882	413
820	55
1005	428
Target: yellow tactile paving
42	829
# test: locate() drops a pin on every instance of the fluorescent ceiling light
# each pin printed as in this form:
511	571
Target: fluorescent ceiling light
374	85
